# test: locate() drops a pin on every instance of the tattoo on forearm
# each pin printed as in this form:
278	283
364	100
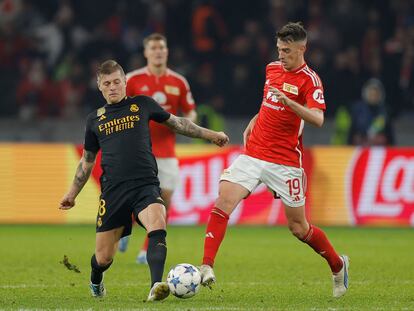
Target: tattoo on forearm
89	156
84	170
81	176
185	127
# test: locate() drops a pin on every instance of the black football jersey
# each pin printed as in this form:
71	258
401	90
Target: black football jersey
121	131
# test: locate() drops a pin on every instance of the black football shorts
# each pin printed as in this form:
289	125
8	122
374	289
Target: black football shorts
119	200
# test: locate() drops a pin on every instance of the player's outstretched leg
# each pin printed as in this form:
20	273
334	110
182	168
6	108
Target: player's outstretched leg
340	279
142	255
96	285
123	244
157	253
216	229
230	194
339	265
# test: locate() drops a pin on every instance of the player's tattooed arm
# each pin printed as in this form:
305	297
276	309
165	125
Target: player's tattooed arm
84	169
81	177
186	127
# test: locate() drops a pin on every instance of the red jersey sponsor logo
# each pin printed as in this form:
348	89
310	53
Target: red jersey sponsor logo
318	96
381	185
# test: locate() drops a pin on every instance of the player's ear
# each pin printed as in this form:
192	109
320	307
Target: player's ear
303	46
98	82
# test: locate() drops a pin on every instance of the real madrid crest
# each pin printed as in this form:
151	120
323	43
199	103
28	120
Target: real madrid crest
134	108
100	111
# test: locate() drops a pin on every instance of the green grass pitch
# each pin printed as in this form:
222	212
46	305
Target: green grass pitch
258	268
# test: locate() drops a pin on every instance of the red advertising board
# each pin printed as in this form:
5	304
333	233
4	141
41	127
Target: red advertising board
381	186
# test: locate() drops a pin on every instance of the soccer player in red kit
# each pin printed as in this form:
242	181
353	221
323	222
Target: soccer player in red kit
172	91
293	94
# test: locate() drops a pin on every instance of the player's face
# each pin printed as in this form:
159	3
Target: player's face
290	53
156	53
113	87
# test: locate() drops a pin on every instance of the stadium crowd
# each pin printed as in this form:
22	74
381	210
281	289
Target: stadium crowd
49	50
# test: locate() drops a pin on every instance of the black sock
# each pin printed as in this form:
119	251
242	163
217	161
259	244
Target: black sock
97	270
156	254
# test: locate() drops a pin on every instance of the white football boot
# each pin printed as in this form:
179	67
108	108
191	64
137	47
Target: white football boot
341	279
97	290
207	276
159	291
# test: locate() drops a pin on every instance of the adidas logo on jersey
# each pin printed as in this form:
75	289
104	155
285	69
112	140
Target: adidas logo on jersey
102	117
145	88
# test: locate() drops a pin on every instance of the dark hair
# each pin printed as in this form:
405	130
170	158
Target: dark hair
292	32
154	37
108	67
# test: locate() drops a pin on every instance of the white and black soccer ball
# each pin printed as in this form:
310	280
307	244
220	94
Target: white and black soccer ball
184	280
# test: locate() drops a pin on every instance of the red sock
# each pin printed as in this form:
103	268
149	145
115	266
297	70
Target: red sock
144	246
318	240
216	229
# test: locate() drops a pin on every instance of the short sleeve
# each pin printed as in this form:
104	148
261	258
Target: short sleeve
155	112
186	100
315	97
91	140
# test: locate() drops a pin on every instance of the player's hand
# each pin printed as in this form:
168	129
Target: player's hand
67	202
220	139
280	96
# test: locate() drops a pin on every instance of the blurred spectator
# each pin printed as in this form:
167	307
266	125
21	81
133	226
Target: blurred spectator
209	30
223	51
37	96
371	124
72	91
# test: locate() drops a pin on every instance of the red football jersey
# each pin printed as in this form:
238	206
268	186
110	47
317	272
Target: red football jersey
172	93
277	134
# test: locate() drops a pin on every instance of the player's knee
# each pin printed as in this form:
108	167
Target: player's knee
226	204
297	229
99	266
158	224
104	258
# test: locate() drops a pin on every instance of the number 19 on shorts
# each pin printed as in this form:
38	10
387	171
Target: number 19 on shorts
294	186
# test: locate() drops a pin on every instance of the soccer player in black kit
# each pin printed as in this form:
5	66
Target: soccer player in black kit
129	182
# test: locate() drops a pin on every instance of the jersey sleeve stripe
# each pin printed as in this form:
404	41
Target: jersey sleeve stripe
313	75
313	78
316	76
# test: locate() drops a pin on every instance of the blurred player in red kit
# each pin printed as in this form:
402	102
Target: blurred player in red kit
172	92
293	95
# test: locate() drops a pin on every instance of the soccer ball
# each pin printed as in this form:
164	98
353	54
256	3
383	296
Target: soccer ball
184	280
